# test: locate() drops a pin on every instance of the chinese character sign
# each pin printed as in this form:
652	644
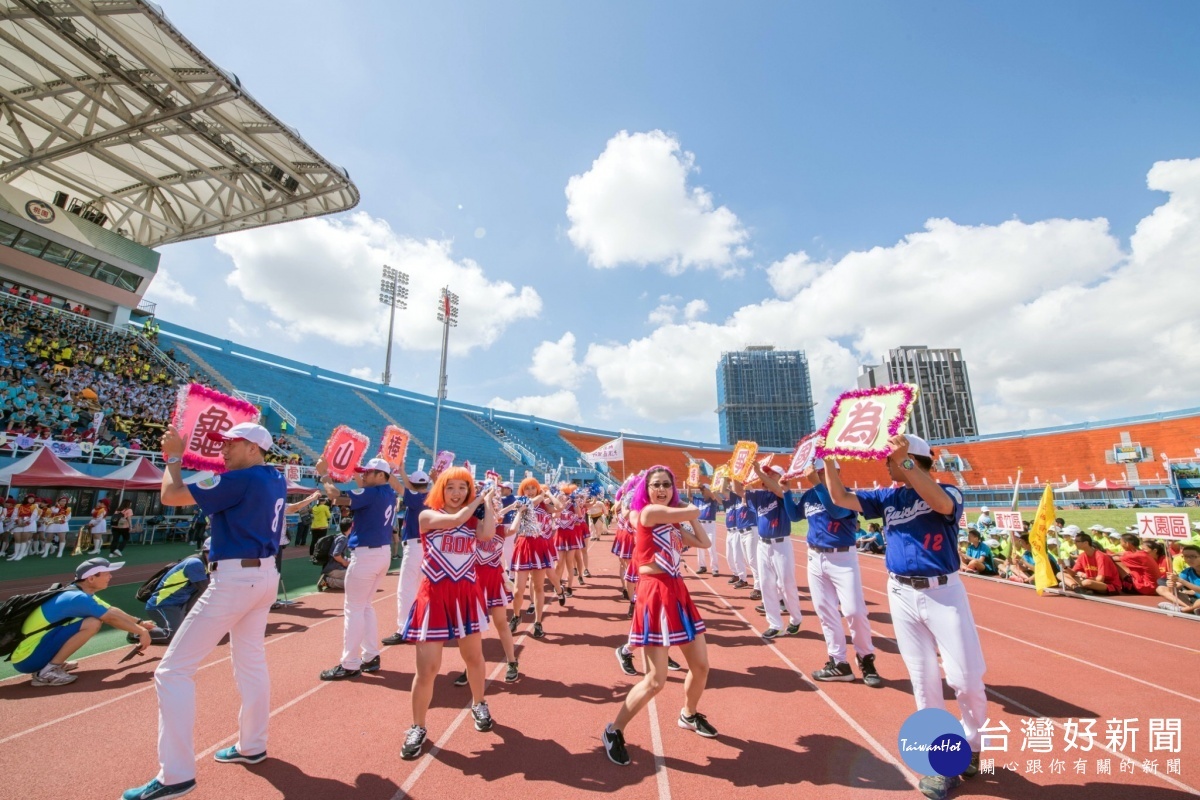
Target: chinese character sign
394	446
609	451
344	452
693	478
741	464
1163	526
493	476
862	420
720	479
1008	520
292	473
443	461
805	451
200	410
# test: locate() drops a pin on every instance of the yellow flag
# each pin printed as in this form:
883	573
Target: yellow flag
1043	573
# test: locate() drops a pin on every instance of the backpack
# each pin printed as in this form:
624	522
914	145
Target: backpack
322	549
147	589
15	610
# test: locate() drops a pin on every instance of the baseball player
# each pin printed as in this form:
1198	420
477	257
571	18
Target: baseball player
246	508
926	597
776	571
707	503
735	556
834	578
416	487
370	546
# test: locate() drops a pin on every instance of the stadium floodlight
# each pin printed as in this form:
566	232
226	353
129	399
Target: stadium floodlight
448	316
393	292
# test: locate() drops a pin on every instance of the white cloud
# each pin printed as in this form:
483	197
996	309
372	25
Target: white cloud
663	315
694	310
166	290
320	277
634	206
244	331
554	363
561	406
365	374
1056	320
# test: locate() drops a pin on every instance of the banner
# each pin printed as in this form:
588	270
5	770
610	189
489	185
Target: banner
862	421
343	452
805	453
693	475
1163	526
609	451
1043	572
443	460
292	473
394	446
200	410
1008	520
66	449
742	462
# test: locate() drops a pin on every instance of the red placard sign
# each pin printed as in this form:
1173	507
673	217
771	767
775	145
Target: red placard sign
394	446
344	452
200	410
805	450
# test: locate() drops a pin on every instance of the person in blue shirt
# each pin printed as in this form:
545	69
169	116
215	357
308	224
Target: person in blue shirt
707	503
926	596
176	594
245	507
370	544
776	562
1183	590
416	488
834	579
872	541
979	555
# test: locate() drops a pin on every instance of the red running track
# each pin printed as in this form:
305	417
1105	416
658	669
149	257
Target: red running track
780	732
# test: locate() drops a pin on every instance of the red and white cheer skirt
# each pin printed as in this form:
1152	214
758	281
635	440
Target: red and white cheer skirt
569	539
664	613
490	581
445	610
623	545
533	553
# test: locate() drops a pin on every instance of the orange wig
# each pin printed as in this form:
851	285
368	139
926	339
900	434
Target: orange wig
437	495
527	484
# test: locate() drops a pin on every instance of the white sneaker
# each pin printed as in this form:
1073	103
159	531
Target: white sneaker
53	675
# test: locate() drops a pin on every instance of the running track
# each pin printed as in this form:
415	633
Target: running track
1047	657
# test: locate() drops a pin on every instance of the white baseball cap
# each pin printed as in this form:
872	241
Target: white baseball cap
918	446
985	509
249	431
1051	542
375	464
94	566
420	476
1096	528
1072	530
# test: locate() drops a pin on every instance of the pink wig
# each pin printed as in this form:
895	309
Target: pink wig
641	492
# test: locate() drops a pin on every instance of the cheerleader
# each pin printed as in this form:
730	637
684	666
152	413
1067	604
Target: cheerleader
585	532
489	575
25	518
568	539
535	554
622	546
665	614
449	604
97	525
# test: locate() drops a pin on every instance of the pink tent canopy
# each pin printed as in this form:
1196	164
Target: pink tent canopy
137	475
43	468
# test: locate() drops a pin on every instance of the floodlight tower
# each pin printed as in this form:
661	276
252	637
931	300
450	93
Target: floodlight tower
393	291
448	316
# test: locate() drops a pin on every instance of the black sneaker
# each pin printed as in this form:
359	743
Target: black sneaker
698	723
973	768
626	662
673	666
770	633
531	609
756	595
514	623
701	570
866	665
413	742
562	598
461	680
339	673
614	746
587	573
624	593
538	633
938	787
483	717
582	582
513	673
371	666
793	629
834	671
761	609
715	573
631	607
734	579
739	584
395	638
569	592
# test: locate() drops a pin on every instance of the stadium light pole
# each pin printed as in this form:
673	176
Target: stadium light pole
393	292
448	316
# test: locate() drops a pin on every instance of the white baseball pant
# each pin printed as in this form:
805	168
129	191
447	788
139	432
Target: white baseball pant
735	555
777	561
939	619
410	579
236	602
833	579
360	630
749	540
707	556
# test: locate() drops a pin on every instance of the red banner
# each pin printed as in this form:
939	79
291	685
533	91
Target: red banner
344	452
200	410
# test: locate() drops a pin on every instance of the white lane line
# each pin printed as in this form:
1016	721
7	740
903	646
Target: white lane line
660	760
284	707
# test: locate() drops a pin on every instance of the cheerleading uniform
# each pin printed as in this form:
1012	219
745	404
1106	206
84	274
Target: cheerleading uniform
535	548
664	614
489	573
568	535
449	602
622	546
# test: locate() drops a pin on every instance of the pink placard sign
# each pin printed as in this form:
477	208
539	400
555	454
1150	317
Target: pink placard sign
863	420
443	461
394	446
344	452
805	451
200	410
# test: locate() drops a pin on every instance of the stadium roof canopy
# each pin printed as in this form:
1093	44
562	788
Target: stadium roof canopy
105	101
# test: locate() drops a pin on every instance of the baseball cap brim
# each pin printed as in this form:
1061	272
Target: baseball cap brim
93	567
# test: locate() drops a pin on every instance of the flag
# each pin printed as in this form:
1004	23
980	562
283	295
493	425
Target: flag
1016	491
1043	573
609	451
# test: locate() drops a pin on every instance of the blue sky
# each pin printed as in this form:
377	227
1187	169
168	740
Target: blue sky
815	142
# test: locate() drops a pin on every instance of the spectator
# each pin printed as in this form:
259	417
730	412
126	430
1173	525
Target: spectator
1139	571
320	523
65	623
985	519
1094	571
175	594
1183	591
979	556
872	541
333	573
122	524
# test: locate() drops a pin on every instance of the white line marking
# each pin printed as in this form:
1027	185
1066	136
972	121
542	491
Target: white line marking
284	707
660	761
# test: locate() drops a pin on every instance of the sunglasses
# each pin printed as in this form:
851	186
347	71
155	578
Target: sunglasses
661	485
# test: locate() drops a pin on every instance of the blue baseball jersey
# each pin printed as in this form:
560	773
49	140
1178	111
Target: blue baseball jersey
180	584
245	507
828	525
733	512
920	542
769	513
374	509
708	508
414	504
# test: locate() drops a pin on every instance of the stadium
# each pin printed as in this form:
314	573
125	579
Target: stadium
121	137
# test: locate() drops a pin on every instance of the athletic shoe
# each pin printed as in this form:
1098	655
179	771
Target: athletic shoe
513	673
624	593
53	675
538	633
339	673
614	746
938	787
461	680
70	666
413	742
972	768
761	609
1168	606
770	633
587	573
701	570
625	662
739	584
230	755
514	623
734	579
569	592
793	629
632	604
395	638
866	665
716	574
756	595
483	717
531	609
1081	590
321	584
157	791
276	605
834	671
371	666
562	598
582	582
673	666
698	723
116	553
